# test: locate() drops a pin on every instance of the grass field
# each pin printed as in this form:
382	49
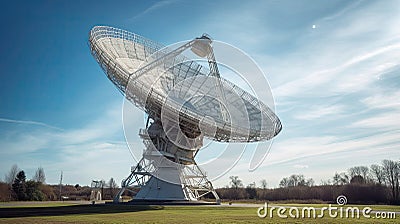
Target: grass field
82	213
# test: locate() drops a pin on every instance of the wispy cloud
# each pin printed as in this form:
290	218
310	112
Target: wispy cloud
85	147
385	100
152	8
383	122
349	76
303	147
328	82
320	111
300	166
343	11
29	123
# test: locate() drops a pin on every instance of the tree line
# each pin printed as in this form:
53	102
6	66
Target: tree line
378	183
16	187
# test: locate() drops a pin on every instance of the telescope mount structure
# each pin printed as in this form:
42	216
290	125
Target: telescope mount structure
185	103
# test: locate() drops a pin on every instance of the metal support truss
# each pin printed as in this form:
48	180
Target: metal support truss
138	177
196	181
193	181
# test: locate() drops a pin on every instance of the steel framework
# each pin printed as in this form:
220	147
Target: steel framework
192	181
157	80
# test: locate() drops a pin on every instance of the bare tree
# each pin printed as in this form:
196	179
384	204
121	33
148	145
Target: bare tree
296	180
310	182
10	176
252	185
102	186
325	182
359	171
344	179
293	180
340	179
112	186
364	172
391	170
284	182
236	182
377	173
40	176
336	179
264	184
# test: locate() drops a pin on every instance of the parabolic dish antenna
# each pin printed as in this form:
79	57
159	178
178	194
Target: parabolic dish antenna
185	103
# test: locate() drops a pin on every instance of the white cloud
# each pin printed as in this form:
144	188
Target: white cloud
320	112
327	63
346	55
386	100
343	11
355	74
328	79
82	153
383	122
21	143
300	166
152	8
29	122
308	147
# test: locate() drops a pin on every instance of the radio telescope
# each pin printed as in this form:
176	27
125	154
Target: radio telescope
185	102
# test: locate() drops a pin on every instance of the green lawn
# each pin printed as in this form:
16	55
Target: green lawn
59	213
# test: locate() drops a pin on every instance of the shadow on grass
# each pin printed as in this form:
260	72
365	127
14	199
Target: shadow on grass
73	210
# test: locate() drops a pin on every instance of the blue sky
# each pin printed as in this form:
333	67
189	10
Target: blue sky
336	86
